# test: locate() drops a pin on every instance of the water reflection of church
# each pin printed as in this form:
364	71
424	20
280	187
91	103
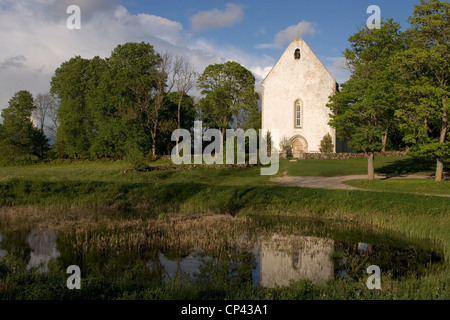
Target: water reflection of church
292	258
289	258
280	260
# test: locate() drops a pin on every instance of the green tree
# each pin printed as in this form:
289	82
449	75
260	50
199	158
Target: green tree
174	111
185	80
326	145
364	109
108	106
75	132
230	96
123	100
20	140
425	72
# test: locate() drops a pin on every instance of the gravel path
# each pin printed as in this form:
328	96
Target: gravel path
335	182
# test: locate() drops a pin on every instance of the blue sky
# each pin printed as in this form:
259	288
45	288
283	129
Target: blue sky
335	20
35	39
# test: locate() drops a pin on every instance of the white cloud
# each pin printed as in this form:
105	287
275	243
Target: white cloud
260	32
35	41
261	72
290	33
259	65
337	66
217	19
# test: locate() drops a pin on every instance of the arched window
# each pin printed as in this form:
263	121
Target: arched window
297	54
298	114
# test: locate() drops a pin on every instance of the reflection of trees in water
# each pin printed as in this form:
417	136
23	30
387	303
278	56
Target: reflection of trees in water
14	244
229	268
282	258
293	258
169	267
32	249
210	271
2	252
352	260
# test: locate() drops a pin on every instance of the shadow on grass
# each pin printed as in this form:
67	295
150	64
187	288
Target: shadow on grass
410	165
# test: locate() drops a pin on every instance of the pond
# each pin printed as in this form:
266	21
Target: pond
223	251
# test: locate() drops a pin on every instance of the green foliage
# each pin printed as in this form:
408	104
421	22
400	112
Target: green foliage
109	104
254	121
169	119
364	108
286	145
326	145
136	158
230	96
70	83
424	70
20	141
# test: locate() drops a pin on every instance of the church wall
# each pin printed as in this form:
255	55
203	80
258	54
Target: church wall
306	80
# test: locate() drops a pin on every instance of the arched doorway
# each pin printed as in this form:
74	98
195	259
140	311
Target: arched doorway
299	147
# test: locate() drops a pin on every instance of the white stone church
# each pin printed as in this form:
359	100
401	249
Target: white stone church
294	98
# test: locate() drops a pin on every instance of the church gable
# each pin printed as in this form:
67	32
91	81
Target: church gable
298	62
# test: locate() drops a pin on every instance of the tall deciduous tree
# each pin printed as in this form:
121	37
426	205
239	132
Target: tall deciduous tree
70	84
364	109
425	71
44	103
167	71
230	95
53	125
124	98
186	79
169	118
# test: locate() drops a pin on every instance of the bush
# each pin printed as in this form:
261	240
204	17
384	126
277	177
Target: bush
286	147
135	157
326	145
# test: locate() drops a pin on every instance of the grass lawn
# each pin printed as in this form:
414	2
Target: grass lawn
110	172
383	165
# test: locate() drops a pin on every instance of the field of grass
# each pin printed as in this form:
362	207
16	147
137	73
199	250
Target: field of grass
407	185
203	189
383	165
65	187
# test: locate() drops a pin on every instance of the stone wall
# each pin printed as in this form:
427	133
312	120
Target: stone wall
342	156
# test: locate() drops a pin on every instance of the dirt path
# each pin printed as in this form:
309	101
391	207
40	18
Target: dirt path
338	182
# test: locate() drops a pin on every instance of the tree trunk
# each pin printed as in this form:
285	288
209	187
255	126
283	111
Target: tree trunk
154	140
179	114
179	122
384	138
439	169
440	160
370	165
